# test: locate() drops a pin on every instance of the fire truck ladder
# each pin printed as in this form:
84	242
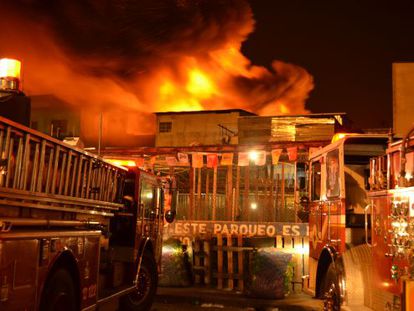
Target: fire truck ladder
38	171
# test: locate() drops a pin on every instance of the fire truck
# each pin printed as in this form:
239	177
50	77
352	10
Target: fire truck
76	232
361	223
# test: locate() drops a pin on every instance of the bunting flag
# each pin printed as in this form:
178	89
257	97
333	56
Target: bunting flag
171	161
261	158
139	162
226	159
243	159
292	153
212	160
276	155
197	160
183	158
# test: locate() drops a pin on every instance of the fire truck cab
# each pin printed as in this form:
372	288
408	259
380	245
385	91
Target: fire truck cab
76	232
362	224
338	190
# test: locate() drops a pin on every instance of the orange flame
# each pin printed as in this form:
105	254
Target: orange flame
219	78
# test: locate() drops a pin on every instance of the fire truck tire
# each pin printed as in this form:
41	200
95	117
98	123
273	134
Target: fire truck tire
331	293
59	293
143	297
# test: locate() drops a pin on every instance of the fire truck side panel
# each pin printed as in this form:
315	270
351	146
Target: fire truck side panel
18	266
26	265
380	244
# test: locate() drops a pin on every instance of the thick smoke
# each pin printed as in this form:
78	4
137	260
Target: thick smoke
130	58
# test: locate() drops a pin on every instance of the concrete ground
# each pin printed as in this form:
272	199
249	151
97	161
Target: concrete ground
197	298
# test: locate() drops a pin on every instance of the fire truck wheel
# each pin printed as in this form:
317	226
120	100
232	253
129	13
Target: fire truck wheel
331	294
144	295
59	293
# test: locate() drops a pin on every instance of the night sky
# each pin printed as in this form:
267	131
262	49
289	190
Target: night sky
348	47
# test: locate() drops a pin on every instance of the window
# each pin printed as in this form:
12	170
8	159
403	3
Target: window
148	199
333	176
316	181
165	127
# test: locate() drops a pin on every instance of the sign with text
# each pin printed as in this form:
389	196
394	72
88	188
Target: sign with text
264	229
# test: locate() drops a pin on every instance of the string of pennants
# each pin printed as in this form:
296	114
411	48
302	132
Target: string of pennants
243	158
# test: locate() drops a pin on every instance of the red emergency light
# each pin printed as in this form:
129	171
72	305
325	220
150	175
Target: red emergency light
10	75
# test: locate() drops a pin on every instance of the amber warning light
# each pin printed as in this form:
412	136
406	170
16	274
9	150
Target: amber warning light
10	74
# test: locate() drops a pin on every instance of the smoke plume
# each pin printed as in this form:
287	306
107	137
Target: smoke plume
129	59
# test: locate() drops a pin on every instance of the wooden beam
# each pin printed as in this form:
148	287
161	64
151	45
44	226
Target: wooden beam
236	202
229	191
214	193
246	192
198	206
192	189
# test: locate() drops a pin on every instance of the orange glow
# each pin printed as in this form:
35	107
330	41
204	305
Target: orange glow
283	109
199	84
338	136
122	162
10	68
167	88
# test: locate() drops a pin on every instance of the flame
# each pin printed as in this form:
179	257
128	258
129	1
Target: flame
122	162
199	84
197	65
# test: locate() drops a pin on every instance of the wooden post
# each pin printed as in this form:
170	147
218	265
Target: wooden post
206	205
207	259
256	193
271	199
282	186
230	262
229	191
219	261
199	211
197	265
214	193
240	263
246	192
233	202
295	192
236	200
192	189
